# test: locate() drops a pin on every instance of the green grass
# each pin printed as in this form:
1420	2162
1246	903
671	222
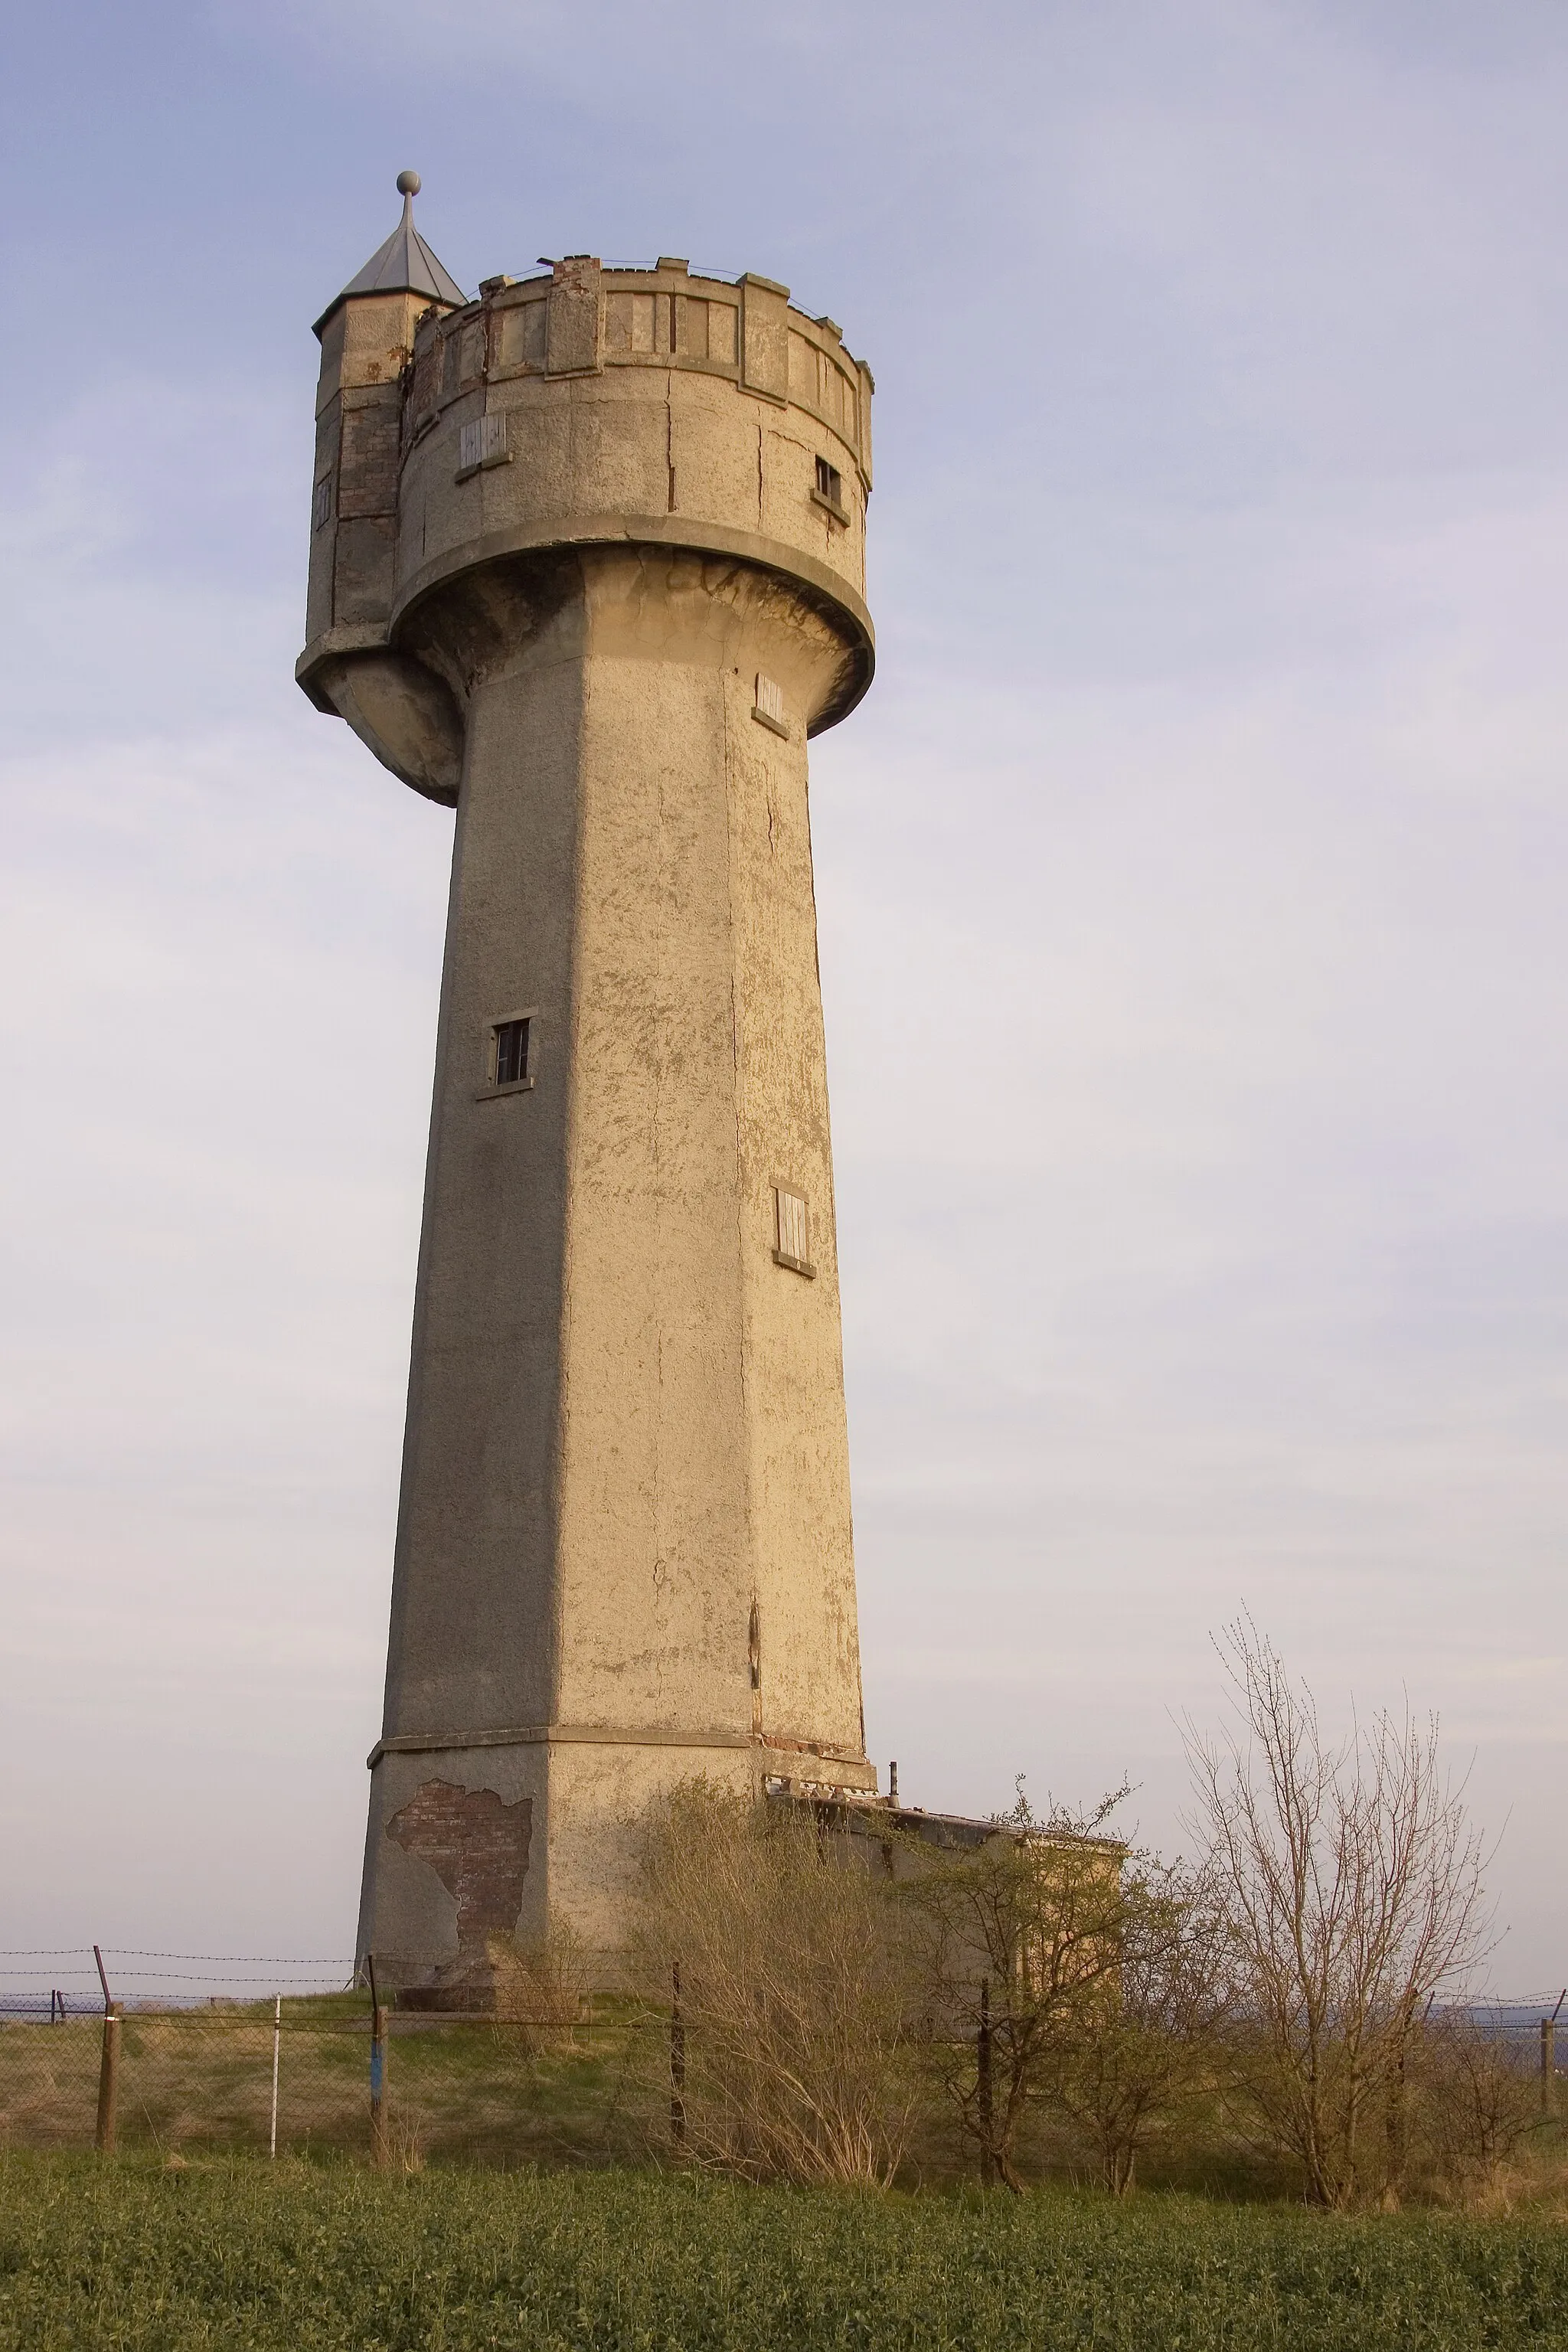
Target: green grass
238	2256
199	2082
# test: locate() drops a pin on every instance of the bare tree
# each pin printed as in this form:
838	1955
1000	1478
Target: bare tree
1351	1884
798	1990
1141	2055
1026	1942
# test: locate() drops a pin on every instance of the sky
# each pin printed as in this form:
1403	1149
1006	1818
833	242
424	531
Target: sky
1190	885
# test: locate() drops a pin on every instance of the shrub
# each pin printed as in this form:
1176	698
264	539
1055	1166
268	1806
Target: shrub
1140	2059
1478	2104
1022	1938
798	1991
539	1989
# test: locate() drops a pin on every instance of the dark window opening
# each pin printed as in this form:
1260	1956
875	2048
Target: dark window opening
829	483
511	1052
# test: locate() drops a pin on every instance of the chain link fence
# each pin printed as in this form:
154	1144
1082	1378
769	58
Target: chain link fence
305	2072
188	2058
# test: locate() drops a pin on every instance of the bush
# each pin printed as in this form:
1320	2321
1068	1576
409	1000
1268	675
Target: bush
539	1989
1476	2105
1021	1943
798	1992
1141	2061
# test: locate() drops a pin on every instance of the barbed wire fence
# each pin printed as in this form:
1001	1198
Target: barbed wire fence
115	2047
68	1981
165	2051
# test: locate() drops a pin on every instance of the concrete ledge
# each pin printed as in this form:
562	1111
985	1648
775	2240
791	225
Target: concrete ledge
352	637
822	586
559	1735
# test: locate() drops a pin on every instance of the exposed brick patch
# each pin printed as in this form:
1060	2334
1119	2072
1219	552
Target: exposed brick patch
477	1848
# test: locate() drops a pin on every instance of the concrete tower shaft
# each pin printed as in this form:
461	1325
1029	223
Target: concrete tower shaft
587	562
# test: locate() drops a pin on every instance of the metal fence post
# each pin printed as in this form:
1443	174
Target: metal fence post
276	2038
1549	2059
378	2136
983	2084
108	2066
677	2062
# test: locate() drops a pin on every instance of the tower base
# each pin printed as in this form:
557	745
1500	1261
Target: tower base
519	1834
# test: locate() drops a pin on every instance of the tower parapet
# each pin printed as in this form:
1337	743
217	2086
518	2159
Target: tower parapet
587	408
588	563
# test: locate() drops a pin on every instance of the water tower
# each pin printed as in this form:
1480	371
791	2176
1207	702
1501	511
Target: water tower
587	566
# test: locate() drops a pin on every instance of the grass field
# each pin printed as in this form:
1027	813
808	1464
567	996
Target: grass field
199	2082
238	2256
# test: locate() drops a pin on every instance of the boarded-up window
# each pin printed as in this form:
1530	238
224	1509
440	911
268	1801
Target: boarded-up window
769	705
482	441
791	1246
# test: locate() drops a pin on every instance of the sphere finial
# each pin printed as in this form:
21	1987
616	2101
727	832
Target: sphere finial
408	184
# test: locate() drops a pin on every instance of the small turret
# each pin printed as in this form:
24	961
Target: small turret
403	264
367	338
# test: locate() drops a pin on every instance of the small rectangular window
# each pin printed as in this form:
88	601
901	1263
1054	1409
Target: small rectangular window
511	1052
793	1235
322	504
480	443
769	705
829	490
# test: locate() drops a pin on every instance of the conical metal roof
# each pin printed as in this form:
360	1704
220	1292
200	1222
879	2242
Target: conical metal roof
403	264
